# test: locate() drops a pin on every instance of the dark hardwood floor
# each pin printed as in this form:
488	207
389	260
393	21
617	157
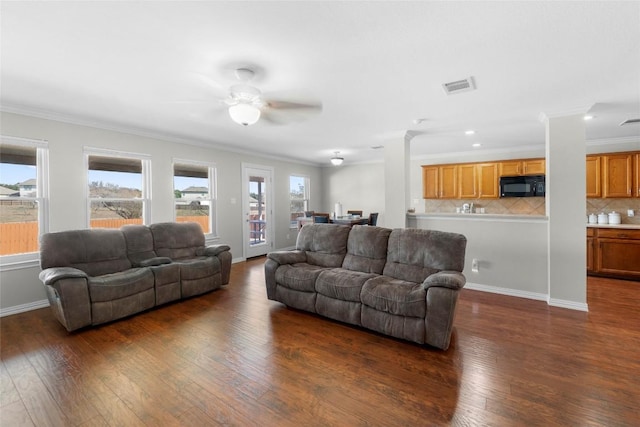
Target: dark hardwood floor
232	357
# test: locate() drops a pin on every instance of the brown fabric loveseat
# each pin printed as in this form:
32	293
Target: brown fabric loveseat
99	275
402	282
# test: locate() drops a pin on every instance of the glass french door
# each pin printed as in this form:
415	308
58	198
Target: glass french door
257	210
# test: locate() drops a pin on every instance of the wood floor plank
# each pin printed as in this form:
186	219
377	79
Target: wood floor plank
231	357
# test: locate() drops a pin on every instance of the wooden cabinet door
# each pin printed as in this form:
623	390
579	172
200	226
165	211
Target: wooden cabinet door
617	175
534	167
636	168
590	263
593	176
430	182
488	187
510	168
618	257
448	181
467	181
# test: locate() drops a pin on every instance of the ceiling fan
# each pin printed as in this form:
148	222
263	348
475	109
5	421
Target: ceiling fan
246	104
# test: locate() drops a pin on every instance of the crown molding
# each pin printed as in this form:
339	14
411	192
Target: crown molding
145	133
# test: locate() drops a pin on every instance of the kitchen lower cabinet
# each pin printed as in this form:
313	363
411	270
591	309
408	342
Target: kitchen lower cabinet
615	252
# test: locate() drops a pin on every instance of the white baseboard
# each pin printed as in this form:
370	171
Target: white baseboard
572	305
23	307
237	260
506	291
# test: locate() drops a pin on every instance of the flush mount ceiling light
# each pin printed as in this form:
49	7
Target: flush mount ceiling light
469	132
588	117
336	160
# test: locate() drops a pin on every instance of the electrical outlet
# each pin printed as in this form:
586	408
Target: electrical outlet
630	212
474	265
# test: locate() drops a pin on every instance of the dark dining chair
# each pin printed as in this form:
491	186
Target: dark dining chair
321	219
309	214
359	213
373	218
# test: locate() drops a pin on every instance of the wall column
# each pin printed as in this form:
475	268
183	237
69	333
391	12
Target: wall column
397	156
566	209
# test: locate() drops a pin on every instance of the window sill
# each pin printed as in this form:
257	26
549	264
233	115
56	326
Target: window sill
19	261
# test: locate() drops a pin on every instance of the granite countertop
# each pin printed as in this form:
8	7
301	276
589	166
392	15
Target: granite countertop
623	226
479	216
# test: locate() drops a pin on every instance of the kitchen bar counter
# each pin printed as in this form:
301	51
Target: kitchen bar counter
478	217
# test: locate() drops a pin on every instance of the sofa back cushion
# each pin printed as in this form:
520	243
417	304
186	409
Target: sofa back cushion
367	249
177	240
324	244
96	252
139	243
414	254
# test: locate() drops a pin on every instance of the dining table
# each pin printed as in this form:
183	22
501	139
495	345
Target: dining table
350	221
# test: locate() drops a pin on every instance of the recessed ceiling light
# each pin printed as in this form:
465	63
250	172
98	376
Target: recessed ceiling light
588	117
476	145
469	132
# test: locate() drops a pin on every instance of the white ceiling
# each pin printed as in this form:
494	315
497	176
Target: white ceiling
375	66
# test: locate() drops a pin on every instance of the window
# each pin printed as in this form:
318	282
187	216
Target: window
194	192
118	188
299	195
24	194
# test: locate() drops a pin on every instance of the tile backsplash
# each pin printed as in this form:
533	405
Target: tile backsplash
509	206
597	206
536	206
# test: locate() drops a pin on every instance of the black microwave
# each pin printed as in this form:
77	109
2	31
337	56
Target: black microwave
522	186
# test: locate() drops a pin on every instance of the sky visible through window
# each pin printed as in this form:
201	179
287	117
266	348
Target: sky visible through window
14	174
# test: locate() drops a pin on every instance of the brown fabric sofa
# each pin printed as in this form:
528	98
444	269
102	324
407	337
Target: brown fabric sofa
402	282
99	275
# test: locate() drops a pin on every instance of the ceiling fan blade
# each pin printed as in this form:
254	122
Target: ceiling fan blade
295	114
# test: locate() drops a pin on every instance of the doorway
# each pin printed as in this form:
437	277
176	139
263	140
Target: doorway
257	208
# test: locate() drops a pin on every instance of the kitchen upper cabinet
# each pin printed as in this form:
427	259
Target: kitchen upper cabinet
617	175
430	182
448	181
488	187
636	168
461	181
593	176
440	182
468	182
522	167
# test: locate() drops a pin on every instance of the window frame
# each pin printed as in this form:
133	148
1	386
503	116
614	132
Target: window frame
145	161
306	201
31	259
212	177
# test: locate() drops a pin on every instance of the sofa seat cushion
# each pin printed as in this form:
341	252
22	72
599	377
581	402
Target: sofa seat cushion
394	296
300	276
342	284
198	267
120	285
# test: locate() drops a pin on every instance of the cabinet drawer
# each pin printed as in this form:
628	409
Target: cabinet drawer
619	233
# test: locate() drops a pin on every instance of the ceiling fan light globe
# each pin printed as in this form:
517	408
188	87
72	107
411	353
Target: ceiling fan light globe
337	161
244	114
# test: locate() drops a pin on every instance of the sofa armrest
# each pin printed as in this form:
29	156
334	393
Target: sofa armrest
51	275
152	262
68	294
445	279
214	250
288	257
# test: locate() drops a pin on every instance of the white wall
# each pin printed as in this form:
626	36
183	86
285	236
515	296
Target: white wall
512	254
359	187
67	179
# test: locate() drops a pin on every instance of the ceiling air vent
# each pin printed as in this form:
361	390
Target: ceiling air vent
459	86
630	121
